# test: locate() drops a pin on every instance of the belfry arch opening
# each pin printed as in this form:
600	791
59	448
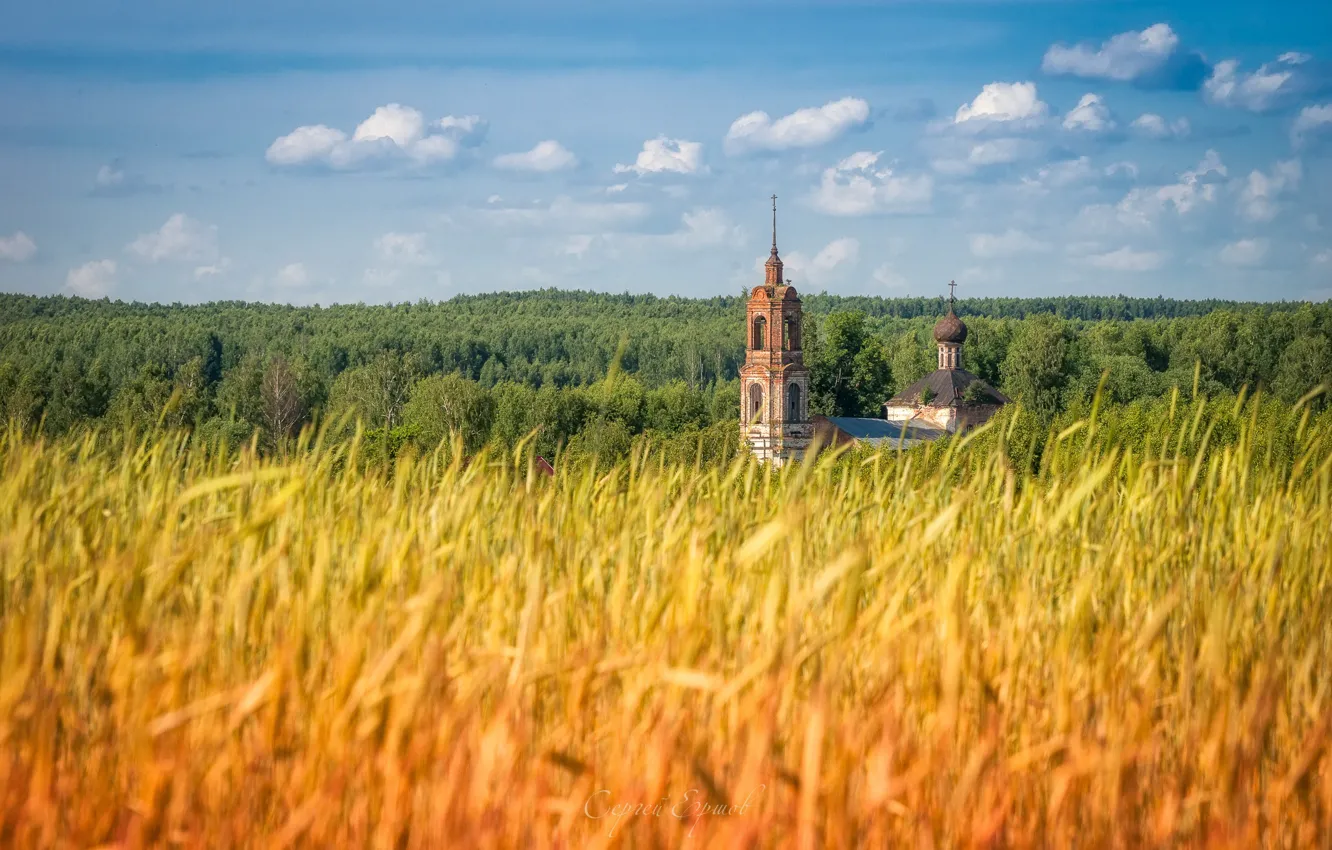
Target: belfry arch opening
760	333
793	403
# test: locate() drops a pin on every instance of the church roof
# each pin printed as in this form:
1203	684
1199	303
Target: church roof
950	329
875	431
948	387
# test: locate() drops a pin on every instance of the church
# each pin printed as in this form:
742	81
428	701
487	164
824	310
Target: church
774	411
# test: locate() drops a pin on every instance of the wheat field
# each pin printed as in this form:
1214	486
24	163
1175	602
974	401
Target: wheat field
1131	647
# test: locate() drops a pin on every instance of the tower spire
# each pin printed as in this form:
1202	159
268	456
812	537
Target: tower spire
773	268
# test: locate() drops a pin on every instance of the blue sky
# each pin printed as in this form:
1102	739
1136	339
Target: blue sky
318	152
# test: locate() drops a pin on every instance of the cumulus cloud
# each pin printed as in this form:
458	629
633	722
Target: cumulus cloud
17	248
92	280
1059	174
1153	126
1127	260
835	257
1091	115
1003	102
180	239
1260	193
1273	85
1312	121
981	154
1124	57
804	128
547	156
663	155
1245	252
392	132
1196	186
857	186
1007	244
407	249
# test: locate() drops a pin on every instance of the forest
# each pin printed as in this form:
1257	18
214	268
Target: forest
590	373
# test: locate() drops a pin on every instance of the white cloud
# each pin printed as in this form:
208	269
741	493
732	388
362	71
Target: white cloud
292	275
855	186
706	227
407	249
180	239
1258	199
804	128
566	214
113	181
1123	57
1057	175
1007	244
17	248
887	276
1153	126
215	270
616	189
547	156
1245	252
1323	258
467	128
109	178
838	254
666	155
92	280
1312	120
400	124
701	227
1127	260
981	154
1271	85
305	144
1196	186
1091	115
392	131
1128	169
1003	102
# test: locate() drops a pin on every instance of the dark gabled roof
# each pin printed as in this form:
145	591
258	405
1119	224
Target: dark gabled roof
948	386
875	431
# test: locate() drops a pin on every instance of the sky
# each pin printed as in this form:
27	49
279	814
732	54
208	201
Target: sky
340	152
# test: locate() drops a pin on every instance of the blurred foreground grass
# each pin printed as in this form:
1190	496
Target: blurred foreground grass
1130	647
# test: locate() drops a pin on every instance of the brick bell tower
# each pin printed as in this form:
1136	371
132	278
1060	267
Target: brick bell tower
774	382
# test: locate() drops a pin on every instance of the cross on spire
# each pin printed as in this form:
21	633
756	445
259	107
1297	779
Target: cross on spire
774	224
952	285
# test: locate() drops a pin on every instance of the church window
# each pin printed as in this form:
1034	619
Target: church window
755	403
794	402
787	334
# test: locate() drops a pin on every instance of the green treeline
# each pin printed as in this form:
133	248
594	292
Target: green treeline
590	373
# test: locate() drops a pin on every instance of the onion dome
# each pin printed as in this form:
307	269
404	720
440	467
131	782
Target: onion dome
950	329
